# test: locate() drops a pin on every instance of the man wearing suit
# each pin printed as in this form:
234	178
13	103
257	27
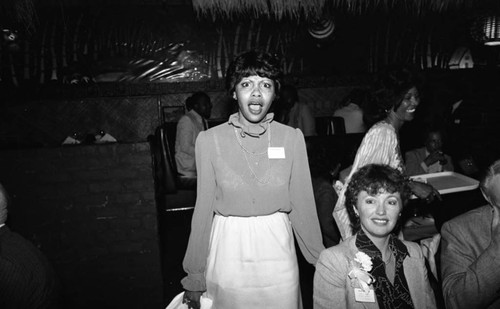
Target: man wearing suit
470	254
428	159
27	280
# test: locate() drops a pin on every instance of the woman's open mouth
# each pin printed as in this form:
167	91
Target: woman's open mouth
255	108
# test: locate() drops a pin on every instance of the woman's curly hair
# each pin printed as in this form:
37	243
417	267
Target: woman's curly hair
388	91
374	178
254	63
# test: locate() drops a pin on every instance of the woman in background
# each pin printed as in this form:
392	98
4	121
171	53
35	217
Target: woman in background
254	188
394	102
373	268
292	112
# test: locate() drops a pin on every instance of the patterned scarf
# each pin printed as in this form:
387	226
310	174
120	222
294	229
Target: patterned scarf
389	295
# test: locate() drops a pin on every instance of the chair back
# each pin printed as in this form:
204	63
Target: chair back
330	125
336	126
165	170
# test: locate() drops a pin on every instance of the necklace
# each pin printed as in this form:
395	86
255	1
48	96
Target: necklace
246	152
240	142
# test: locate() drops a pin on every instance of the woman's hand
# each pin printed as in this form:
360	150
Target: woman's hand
192	299
424	191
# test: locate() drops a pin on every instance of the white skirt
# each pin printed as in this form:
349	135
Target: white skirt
252	263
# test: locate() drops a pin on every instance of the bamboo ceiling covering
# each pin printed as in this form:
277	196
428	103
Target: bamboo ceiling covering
316	8
24	11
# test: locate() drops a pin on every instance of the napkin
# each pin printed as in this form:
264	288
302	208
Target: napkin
106	138
70	141
176	303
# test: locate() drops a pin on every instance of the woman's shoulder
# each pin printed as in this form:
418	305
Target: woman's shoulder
220	132
381	125
222	128
380	129
341	251
276	125
283	131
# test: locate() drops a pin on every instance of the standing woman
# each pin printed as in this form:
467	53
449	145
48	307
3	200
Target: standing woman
374	268
254	189
394	102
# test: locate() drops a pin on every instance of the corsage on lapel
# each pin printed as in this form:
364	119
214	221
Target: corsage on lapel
360	266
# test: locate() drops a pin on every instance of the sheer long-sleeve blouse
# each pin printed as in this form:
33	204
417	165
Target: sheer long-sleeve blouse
227	186
379	146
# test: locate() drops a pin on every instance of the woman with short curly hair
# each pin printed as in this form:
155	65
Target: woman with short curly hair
254	195
374	268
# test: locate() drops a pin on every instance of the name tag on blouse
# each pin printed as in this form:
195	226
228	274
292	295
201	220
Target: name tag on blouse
276	152
364	297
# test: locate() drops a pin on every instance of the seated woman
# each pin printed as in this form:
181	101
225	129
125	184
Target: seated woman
373	268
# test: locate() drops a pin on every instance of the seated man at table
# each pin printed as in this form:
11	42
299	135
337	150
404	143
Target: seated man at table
430	158
470	263
189	126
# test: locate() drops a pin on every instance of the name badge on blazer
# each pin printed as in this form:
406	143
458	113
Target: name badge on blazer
276	152
364	297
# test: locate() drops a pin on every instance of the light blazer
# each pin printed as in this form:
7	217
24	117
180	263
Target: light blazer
332	286
414	158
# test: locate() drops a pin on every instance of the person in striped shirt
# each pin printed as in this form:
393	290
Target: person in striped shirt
395	98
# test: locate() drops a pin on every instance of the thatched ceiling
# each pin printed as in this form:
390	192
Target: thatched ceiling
24	11
312	9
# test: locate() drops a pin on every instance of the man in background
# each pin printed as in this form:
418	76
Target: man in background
189	126
470	254
352	112
430	158
27	280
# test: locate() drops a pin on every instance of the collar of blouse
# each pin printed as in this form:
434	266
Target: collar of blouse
252	130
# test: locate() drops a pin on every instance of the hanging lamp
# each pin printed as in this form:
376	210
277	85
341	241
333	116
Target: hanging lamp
491	30
486	29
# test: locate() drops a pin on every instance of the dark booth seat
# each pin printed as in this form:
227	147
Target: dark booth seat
175	204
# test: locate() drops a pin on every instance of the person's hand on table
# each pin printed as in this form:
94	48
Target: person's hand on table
192	299
424	191
435	157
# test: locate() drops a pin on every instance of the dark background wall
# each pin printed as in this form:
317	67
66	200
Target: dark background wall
129	117
91	210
